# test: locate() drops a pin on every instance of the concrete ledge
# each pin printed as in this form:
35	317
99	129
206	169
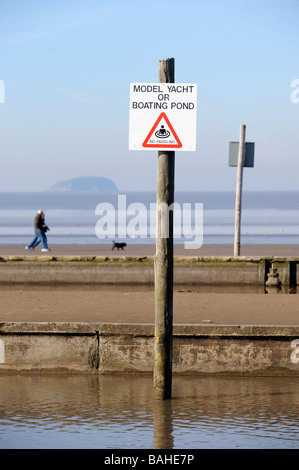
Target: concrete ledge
130	270
129	348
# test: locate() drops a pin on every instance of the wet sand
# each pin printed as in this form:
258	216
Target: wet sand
137	305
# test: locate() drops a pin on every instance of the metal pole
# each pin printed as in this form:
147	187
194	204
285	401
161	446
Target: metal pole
163	260
241	156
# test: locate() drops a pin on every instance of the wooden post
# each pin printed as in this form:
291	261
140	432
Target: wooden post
241	156
163	260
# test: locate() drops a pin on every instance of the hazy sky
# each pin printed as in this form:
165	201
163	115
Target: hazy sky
67	66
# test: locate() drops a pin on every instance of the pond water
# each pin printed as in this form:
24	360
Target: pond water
119	412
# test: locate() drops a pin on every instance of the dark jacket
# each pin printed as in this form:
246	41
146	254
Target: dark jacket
38	222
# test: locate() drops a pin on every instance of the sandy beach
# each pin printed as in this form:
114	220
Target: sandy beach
54	304
148	250
131	304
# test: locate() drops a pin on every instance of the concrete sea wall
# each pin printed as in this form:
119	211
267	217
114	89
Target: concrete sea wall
126	270
105	348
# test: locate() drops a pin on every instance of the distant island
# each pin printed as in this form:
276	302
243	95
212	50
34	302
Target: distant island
85	183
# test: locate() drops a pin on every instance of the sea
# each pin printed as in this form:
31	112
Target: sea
269	217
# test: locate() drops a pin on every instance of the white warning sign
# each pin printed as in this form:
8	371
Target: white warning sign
163	115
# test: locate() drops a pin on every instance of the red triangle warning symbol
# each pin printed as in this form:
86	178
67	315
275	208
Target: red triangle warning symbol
162	135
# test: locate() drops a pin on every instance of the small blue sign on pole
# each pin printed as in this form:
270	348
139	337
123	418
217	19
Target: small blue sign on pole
249	154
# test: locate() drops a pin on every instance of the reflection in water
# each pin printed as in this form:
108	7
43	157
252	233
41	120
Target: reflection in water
85	411
163	428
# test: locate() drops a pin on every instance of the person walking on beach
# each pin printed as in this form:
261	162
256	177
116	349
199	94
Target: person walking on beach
40	230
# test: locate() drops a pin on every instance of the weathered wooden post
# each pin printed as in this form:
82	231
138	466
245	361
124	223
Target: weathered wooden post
163	118
241	156
164	260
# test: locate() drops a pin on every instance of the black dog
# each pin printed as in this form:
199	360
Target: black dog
118	245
